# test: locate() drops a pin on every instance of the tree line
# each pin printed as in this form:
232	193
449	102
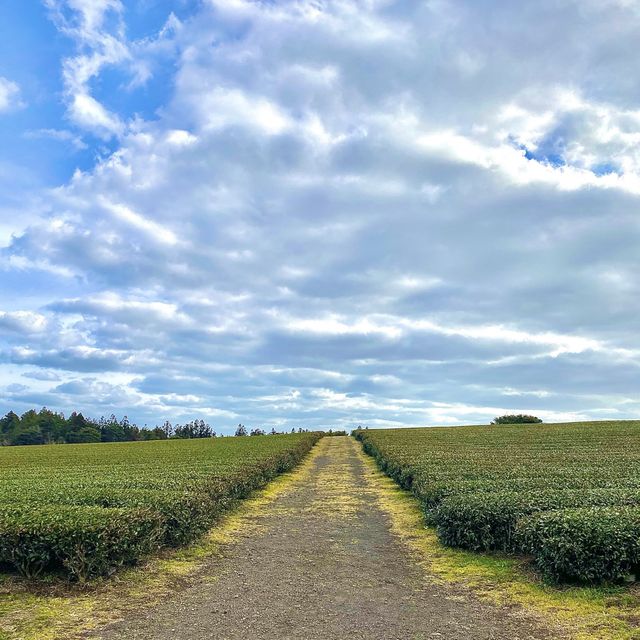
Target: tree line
49	427
243	431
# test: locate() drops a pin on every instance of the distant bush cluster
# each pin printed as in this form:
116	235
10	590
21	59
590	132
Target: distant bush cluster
519	418
243	431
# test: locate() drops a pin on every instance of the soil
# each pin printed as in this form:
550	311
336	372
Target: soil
320	562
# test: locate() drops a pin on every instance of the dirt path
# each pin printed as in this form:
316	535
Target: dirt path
319	562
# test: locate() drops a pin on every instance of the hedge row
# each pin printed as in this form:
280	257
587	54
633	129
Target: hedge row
431	493
87	524
82	542
583	545
487	521
567	495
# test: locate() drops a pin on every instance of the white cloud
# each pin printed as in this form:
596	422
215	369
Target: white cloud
552	344
152	229
23	322
346	212
334	326
179	137
88	113
223	108
9	95
61	135
85	21
98	29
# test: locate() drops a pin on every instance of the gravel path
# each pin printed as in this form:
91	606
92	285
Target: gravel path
319	562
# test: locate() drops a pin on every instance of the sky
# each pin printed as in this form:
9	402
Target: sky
320	213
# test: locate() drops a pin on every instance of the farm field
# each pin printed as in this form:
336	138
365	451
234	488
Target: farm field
82	511
565	495
332	548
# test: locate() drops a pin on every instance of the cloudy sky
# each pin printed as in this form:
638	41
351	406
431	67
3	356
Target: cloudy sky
319	212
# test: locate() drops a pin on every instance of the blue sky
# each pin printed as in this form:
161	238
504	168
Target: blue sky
320	213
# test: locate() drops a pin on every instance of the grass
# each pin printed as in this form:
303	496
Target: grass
580	613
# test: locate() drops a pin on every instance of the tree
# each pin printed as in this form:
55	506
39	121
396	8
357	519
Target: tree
77	421
194	429
84	435
519	418
29	435
182	432
111	430
29	418
9	427
52	425
131	431
81	429
158	433
167	429
47	427
202	430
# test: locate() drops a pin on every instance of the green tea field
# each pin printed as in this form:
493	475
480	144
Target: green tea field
482	532
84	510
567	495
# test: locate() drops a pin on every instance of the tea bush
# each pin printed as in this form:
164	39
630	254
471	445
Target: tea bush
566	494
85	510
583	545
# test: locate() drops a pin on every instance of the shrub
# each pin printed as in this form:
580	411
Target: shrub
478	484
184	514
487	521
84	542
86	510
432	493
583	545
519	418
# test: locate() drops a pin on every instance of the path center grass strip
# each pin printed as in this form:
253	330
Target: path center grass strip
84	510
567	495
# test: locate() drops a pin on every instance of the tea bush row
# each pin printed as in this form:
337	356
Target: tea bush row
567	495
85	510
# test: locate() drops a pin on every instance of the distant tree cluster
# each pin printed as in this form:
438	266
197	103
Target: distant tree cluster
194	429
241	430
520	418
48	427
